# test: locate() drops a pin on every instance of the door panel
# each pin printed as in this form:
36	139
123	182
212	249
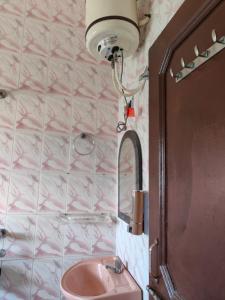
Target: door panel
187	158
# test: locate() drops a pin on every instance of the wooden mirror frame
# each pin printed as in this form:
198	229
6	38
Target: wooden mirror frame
133	137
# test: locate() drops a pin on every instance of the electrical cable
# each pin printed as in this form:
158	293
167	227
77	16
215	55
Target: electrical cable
123	91
122	125
121	76
144	21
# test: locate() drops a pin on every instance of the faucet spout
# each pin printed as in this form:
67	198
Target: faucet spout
117	268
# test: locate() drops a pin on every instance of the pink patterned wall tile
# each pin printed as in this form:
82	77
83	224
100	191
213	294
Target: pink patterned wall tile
12	7
65	12
130	76
33	74
60	77
83	163
107	118
2	225
70	261
165	10
80	14
142	110
80	51
39	9
4	189
11	29
103	81
103	236
106	195
84	116
6	144
2	220
84	86
48	237
77	239
46	279
36	37
58	114
53	193
106	156
30	112
8	112
63	42
107	92
9	70
23	193
27	151
81	193
141	62
83	56
55	153
16	279
49	36
20	242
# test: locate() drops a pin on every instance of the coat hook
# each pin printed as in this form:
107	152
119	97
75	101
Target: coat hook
215	40
178	75
190	65
171	73
204	54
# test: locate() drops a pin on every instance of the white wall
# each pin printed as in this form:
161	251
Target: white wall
134	249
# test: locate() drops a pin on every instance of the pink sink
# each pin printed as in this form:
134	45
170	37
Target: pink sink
91	280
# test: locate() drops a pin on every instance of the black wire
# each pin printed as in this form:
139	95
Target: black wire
121	75
122	62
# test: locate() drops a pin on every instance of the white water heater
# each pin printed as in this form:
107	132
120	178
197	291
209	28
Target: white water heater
111	25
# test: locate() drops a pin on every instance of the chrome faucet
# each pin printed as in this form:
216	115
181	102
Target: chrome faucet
117	268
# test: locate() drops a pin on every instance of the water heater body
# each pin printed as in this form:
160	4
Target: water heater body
111	25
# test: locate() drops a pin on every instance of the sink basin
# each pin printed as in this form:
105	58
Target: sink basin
91	280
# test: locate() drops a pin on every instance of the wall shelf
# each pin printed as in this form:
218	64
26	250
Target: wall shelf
88	218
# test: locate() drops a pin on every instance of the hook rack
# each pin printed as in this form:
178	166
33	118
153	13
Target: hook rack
201	57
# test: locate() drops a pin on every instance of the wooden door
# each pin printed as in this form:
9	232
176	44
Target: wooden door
187	155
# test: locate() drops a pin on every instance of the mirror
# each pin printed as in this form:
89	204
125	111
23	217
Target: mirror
129	173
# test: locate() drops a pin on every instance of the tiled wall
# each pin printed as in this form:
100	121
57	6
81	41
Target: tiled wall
134	250
56	91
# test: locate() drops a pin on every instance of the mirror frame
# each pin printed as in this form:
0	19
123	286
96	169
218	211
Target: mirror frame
133	137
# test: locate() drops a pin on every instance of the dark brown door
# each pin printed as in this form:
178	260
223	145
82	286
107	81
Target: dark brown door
187	155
